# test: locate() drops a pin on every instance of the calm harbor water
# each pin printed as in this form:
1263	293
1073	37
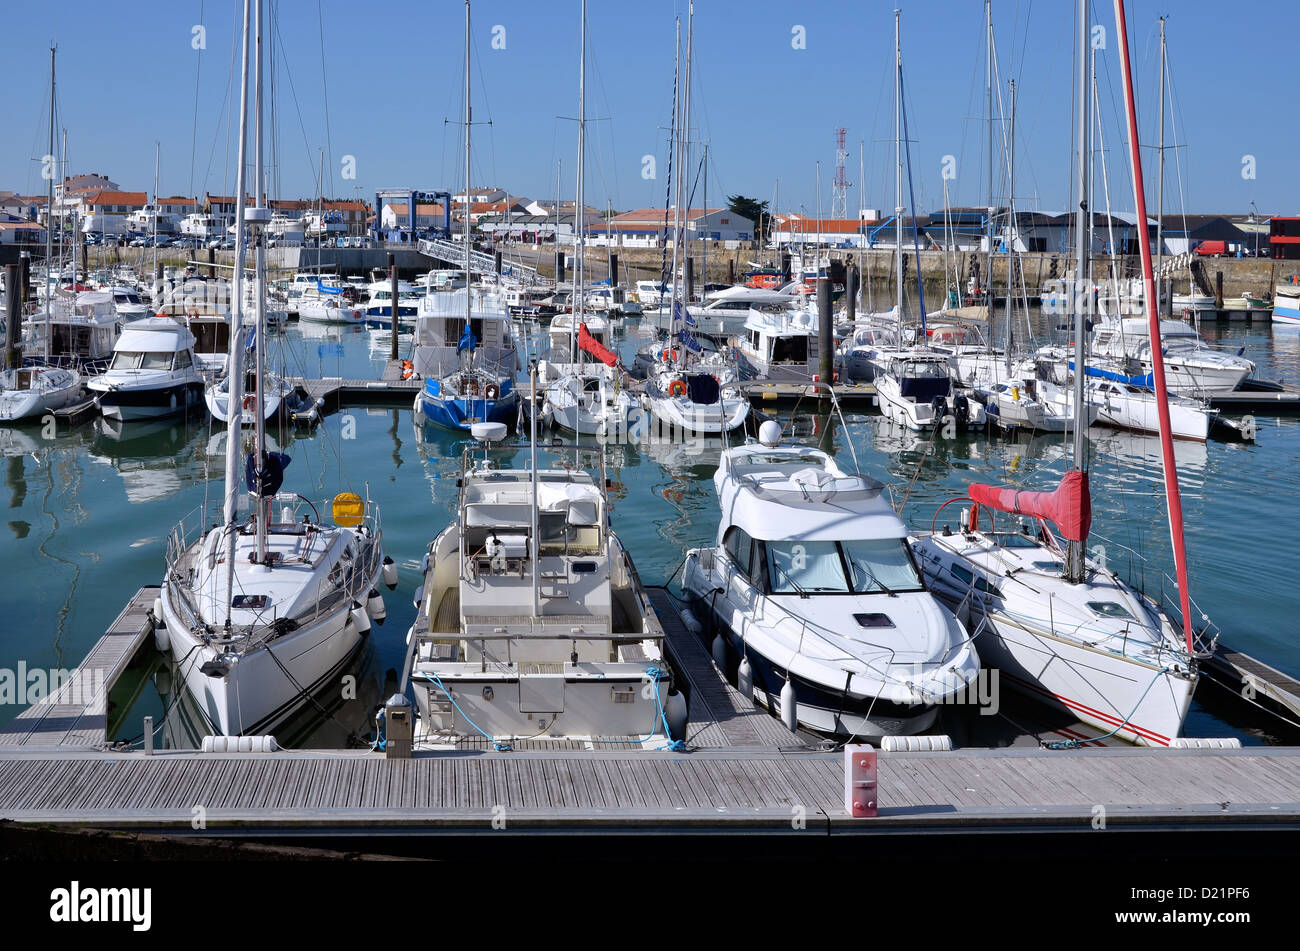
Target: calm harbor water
87	512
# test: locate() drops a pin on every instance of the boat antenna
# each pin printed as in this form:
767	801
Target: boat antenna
1173	499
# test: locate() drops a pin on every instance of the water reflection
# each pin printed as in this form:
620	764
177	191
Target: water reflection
155	458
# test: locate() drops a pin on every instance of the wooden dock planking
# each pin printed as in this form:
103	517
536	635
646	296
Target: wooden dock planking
1269	687
716	790
719	715
84	720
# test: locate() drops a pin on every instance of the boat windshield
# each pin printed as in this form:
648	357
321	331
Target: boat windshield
135	360
865	566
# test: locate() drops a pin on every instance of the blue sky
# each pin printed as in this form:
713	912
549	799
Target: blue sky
393	73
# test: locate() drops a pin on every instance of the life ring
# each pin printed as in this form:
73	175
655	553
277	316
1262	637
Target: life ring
250	401
668	356
677	388
491	391
408	369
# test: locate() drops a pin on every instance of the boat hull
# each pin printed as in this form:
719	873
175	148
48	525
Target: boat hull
151	403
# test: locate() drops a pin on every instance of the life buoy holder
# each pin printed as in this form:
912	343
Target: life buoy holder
491	391
677	388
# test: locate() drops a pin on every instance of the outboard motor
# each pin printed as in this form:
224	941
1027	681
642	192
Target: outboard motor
961	409
940	407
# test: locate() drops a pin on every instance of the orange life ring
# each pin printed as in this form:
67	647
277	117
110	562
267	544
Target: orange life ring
668	356
677	388
250	401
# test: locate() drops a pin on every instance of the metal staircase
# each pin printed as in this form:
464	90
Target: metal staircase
479	262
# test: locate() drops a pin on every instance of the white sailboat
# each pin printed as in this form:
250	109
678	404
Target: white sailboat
261	611
1059	626
588	397
32	391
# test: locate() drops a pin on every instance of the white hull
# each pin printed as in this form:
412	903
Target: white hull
54	389
256	693
1101	688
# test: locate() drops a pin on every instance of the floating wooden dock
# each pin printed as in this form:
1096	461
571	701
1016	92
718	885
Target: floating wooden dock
743	772
77	715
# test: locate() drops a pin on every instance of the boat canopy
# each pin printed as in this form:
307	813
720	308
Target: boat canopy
1069	505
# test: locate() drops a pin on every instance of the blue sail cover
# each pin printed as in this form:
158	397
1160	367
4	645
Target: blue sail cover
326	289
681	313
467	340
688	341
266	481
1147	382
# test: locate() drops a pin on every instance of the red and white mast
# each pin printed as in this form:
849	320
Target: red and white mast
1172	497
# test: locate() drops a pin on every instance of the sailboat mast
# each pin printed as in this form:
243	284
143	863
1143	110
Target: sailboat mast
1011	227
469	278
49	218
898	178
685	176
1172	497
1160	172
580	220
157	154
677	159
988	215
259	286
234	363
1074	559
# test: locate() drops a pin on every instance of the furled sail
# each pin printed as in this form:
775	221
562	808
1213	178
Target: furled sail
589	343
1069	505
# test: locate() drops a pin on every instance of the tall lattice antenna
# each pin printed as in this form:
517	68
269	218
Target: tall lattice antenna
840	185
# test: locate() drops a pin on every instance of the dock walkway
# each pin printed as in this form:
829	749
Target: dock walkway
76	715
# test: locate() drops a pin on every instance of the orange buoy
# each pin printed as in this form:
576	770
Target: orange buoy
677	388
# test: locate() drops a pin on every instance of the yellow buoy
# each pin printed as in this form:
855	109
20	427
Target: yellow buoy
347	510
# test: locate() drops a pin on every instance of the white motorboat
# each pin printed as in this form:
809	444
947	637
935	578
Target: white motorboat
721	313
778	346
532	621
153	373
813	587
918	393
325	309
31	392
1194	369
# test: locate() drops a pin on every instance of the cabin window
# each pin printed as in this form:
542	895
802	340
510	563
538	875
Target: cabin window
980	584
790	350
799	567
880	564
183	361
739	547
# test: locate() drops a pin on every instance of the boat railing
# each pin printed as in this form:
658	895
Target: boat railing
1204	640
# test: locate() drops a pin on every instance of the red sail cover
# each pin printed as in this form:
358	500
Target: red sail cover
1069	506
587	342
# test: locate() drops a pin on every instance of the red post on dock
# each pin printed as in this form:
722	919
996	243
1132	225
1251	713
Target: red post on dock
860	781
